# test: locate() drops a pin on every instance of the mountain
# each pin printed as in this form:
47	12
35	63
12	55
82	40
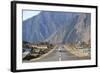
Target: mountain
81	32
57	27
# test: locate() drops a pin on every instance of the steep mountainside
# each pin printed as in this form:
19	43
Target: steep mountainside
81	32
57	27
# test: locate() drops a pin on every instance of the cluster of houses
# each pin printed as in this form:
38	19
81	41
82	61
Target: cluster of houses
39	46
36	50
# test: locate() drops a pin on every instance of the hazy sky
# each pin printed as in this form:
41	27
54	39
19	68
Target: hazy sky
28	14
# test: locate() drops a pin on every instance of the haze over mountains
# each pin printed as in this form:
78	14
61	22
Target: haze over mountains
57	27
